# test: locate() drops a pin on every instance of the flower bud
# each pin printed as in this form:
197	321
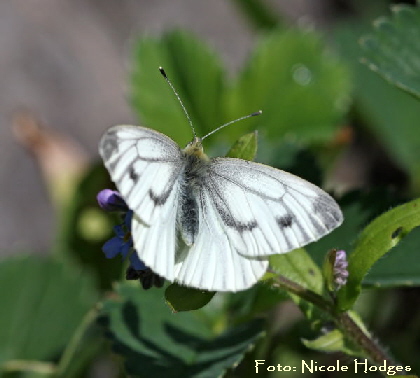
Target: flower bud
111	200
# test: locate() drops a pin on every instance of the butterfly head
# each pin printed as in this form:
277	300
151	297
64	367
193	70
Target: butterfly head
195	147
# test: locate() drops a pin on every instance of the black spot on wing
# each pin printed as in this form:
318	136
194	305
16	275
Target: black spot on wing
133	174
230	221
285	221
159	200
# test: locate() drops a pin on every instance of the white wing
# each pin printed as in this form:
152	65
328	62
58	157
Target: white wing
145	166
156	244
266	211
213	262
246	211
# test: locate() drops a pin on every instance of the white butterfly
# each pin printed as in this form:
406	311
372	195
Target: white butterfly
210	223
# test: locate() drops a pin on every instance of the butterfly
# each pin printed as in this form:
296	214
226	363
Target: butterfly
210	223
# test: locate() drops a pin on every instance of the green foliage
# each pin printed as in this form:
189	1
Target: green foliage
196	74
43	305
301	87
245	147
332	341
299	268
290	68
393	49
377	239
181	298
400	266
155	342
260	15
388	113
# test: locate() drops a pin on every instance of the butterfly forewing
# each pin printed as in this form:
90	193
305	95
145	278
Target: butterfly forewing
144	165
265	210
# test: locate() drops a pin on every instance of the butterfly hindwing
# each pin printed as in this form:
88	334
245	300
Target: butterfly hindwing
156	243
213	263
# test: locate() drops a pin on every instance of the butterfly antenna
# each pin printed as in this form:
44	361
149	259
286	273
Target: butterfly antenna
162	71
235	120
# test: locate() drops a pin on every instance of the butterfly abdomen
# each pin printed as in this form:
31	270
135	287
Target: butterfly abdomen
191	183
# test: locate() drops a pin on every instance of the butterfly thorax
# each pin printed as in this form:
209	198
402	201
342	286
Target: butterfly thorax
195	148
196	163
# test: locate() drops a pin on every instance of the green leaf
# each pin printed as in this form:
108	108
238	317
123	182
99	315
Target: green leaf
335	341
301	88
156	342
377	238
298	267
41	308
259	14
332	341
288	73
196	74
245	305
393	50
400	266
181	298
245	147
390	114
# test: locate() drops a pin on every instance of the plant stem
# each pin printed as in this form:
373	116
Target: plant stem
351	329
369	345
302	292
73	345
46	368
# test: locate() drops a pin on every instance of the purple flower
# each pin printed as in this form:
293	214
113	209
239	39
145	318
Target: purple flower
111	200
340	269
119	244
122	242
